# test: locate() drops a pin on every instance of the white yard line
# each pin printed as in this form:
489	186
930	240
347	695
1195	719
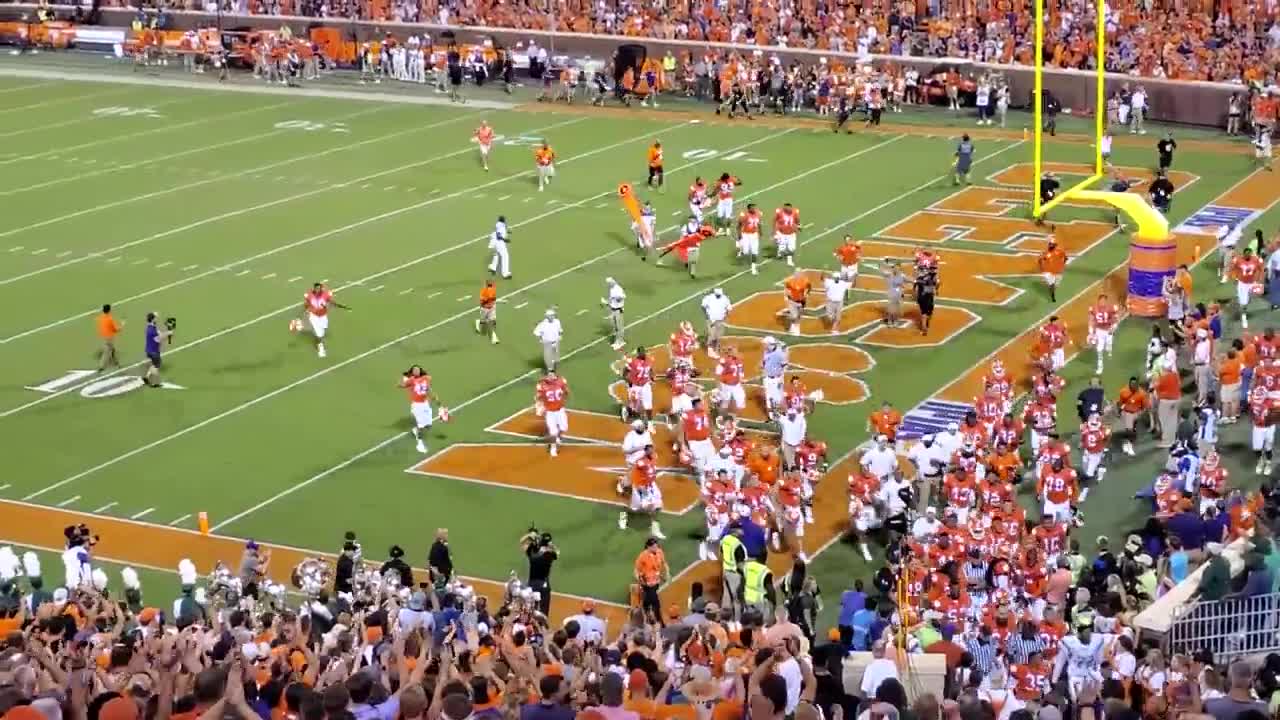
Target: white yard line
106	507
6	486
337	231
51	103
142	513
20	88
434	295
68	501
268	276
523	304
180	520
199	183
522	378
271	203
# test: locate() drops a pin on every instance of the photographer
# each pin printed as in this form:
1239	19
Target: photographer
542	554
155	337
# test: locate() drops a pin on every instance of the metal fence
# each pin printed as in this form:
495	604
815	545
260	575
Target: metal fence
1229	628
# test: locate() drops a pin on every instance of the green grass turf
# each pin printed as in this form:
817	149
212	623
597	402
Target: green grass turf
261	415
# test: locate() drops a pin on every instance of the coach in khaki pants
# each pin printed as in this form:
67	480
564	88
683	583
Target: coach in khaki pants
733	556
1168	391
549	332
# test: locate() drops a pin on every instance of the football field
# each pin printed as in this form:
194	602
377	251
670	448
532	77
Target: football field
220	209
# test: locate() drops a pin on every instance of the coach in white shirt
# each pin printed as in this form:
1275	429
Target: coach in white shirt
715	306
1228	240
881	461
927	524
1138	110
549	332
1202	364
930	460
878	670
617	298
792	427
836	285
949	442
498	242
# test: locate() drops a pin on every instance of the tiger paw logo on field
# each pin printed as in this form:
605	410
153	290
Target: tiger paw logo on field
826	371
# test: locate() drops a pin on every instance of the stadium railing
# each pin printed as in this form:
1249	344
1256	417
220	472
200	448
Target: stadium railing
1183	101
1228	628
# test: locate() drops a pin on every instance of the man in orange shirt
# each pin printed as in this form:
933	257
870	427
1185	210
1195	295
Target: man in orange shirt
545	159
1131	403
1230	369
797	294
1168	389
1052	262
656	178
108	328
651	569
488	320
885	421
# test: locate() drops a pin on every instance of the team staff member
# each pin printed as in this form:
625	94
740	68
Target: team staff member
651	570
733	558
549	331
926	292
1161	192
1164	149
797	295
1049	186
656	178
108	328
488	320
616	299
154	337
545	159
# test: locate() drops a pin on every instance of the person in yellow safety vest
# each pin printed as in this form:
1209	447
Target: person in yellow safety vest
732	557
757	582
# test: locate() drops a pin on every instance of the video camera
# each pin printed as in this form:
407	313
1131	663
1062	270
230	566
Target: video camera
79	536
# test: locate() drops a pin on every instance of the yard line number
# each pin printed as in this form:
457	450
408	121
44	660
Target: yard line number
312	126
113	386
123	111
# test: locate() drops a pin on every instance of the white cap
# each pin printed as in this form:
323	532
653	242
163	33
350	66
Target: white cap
931	510
609	281
770	340
927	438
551	312
638	423
882	438
953	426
718	291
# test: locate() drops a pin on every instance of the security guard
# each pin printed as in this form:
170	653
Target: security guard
733	555
757	585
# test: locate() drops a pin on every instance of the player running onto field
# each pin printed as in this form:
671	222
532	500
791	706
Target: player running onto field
484	139
786	223
749	235
487	323
687	247
724	201
697	199
545	159
418	383
550	397
315	307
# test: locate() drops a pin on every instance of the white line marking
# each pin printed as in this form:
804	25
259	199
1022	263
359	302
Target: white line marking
17	248
464	297
406	291
190	267
142	514
343	229
242	273
198	183
517	307
164	264
114	259
389	187
180	520
528	199
68	501
674	214
504	197
106	507
41	251
20	88
268	276
63	254
139	261
295	278
435	294
376	288
5	486
366	186
36	127
583	311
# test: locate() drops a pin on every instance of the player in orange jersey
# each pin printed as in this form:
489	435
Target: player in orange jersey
656	177
796	289
646	496
1247	269
682	344
638	374
687	249
697	200
1095	439
550	397
695	436
1058	489
849	254
1053	335
731	373
545	160
315	307
418	383
749	235
786	223
484	139
1052	262
1103	317
488	320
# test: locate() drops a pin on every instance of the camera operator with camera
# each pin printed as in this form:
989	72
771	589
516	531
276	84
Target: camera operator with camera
155	337
76	557
542	554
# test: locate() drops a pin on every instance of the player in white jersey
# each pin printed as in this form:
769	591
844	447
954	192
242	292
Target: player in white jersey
499	241
1080	655
647	234
633	445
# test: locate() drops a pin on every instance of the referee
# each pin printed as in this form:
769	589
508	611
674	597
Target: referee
154	337
615	300
926	292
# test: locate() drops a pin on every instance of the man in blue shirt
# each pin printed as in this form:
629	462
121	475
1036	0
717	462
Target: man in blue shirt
862	622
154	337
851	601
